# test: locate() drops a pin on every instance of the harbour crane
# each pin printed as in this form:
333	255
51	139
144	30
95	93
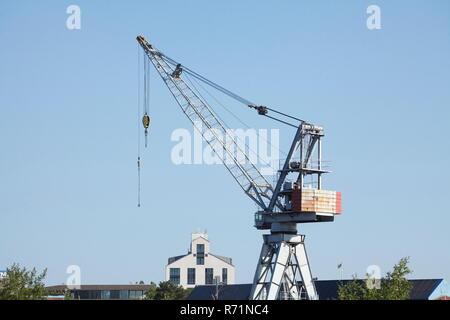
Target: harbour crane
283	270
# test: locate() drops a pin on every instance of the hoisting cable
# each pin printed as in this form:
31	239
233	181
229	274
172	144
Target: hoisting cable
146	117
284	114
231	94
217	115
286	123
139	130
209	82
231	112
218	102
235	116
139	181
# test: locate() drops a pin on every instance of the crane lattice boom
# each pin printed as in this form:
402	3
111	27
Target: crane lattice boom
218	138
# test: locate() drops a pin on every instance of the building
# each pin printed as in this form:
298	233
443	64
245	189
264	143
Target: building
422	289
199	266
104	291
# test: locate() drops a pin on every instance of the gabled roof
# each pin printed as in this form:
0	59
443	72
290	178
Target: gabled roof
327	290
423	288
224	259
173	259
192	240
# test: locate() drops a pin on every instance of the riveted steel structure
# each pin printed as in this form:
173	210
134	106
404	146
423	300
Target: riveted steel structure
283	270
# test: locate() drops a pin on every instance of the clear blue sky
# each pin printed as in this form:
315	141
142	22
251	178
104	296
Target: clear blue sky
68	132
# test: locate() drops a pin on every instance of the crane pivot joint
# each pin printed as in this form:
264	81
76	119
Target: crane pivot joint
262	110
177	72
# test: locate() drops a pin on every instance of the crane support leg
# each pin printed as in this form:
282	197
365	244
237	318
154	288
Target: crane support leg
305	271
264	261
283	270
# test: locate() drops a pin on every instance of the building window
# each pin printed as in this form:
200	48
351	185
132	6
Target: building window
105	295
200	248
124	294
114	294
136	294
200	254
175	275
209	276
224	275
191	276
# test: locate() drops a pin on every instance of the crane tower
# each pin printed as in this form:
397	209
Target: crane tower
283	270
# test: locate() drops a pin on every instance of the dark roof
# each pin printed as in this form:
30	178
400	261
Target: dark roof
173	259
423	288
228	292
137	287
327	290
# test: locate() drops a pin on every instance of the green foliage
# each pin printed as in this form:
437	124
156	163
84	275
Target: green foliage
353	290
151	293
22	284
394	286
166	291
68	295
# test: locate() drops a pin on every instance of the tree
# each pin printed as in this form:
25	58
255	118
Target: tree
353	290
394	286
166	291
151	292
22	284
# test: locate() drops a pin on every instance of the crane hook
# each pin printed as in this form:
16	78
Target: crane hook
146	123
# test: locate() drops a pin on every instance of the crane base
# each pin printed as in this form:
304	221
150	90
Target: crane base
283	271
